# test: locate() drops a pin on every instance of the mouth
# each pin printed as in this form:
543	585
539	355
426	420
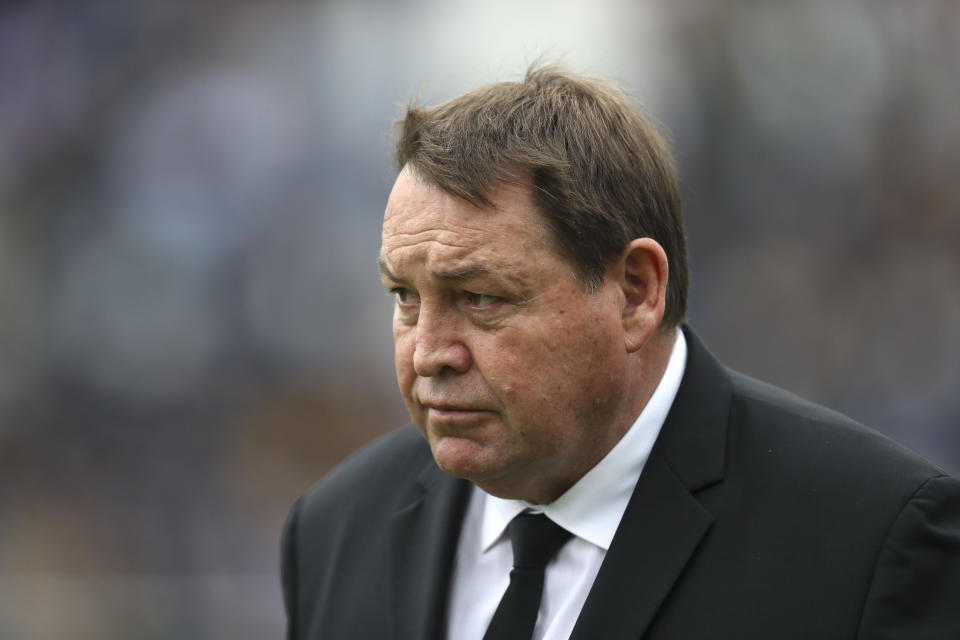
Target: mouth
448	412
451	408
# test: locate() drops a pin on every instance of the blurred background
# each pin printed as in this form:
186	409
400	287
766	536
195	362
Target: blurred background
192	330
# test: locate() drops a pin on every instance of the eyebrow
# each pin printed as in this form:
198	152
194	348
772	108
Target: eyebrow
465	273
384	269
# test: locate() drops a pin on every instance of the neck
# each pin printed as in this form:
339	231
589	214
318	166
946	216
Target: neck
646	370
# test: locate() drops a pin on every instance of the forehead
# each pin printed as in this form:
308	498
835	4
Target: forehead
424	223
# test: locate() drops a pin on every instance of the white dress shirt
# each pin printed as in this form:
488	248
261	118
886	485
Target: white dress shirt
591	510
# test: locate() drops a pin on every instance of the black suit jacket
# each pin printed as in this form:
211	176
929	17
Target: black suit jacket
758	515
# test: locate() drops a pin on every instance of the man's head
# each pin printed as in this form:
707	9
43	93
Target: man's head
525	242
601	174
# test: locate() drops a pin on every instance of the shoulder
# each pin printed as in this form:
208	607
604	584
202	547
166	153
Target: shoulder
867	530
817	435
337	538
372	477
347	514
808	459
774	437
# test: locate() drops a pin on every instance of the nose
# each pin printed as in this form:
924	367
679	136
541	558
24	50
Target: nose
439	345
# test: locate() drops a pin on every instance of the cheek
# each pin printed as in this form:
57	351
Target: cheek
528	373
568	370
403	347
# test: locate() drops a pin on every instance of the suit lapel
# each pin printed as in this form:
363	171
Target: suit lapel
660	529
664	522
425	535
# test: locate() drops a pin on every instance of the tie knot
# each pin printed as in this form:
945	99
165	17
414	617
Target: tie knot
535	539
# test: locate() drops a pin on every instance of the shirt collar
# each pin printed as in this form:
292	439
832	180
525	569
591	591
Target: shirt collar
592	508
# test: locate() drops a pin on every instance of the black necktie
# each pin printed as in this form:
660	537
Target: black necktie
535	540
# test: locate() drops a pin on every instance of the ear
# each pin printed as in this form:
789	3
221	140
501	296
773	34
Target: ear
641	274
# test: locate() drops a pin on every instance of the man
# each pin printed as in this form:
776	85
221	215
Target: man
534	244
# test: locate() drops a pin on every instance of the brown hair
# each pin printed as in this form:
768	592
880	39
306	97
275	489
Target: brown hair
601	174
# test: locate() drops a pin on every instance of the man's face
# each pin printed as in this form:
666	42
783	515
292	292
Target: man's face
510	368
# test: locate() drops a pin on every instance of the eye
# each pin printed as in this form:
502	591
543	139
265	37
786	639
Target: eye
481	299
405	296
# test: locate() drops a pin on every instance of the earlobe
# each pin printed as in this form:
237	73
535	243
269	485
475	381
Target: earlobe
643	275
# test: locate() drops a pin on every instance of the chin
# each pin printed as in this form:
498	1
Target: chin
465	458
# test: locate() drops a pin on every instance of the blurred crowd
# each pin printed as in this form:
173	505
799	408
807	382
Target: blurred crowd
192	330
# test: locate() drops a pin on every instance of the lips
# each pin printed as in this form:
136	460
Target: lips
450	407
447	407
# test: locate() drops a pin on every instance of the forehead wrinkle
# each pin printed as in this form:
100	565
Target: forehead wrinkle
430	245
466	272
443	236
458	270
443	261
454	247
